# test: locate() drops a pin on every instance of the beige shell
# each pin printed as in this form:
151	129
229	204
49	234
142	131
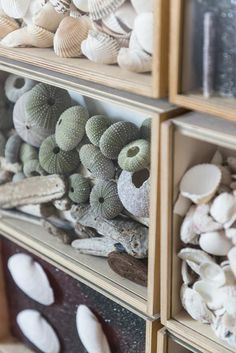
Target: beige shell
102	8
69	36
144	30
48	18
34	7
82	5
7	25
195	186
15	8
141	6
134	60
100	48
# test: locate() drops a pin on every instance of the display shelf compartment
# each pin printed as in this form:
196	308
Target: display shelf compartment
186	141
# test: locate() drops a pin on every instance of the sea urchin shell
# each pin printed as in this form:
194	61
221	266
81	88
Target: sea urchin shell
16	85
28	152
95	127
135	156
79	188
32	168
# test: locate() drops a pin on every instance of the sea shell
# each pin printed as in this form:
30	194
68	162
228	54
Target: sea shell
7	25
100	48
101	8
2	144
208	292
116	137
232	259
15	86
121	21
215	243
45	104
195	186
141	6
134	60
55	161
61	6
90	331
104	200
223	207
188	276
34	7
15	8
144	30
79	188
196	257
203	222
70	35
97	164
211	272
70	127
38	331
18	176
223	332
48	18
95	127
134	192
12	148
135	156
187	232
82	5
32	168
28	152
30	277
230	306
146	129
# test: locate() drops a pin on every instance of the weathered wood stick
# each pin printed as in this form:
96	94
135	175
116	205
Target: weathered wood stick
208	54
40	189
58	233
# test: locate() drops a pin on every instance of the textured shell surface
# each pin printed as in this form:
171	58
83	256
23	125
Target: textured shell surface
212	272
134	192
95	127
48	18
15	8
55	161
116	137
32	168
143	28
104	200
215	243
223	207
2	144
28	152
101	8
29	132
134	60
38	331
70	127
195	186
79	188
31	278
90	331
7	25
45	104
18	38
141	6
12	148
61	6
70	35
82	5
96	163
100	48
15	86
135	156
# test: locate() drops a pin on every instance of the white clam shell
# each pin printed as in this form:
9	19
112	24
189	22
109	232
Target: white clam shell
197	187
16	85
230	306
82	5
187	232
212	273
38	331
232	259
222	331
141	6
203	222
208	292
31	278
134	60
195	256
215	243
223	207
187	276
15	8
90	331
144	30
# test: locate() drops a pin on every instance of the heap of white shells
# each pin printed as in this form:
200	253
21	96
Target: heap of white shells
208	203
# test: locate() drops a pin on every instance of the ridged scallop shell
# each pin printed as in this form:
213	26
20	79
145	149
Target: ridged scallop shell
33	168
135	156
38	331
100	48
79	188
122	39
134	60
101	8
121	21
141	6
144	30
15	8
116	137
69	36
95	127
61	6
34	7
31	278
134	192
15	86
48	18
12	148
82	5
7	25
28	152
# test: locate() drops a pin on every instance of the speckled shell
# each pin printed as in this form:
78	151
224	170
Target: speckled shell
15	8
12	148
7	25
16	85
82	5
79	188
69	36
70	128
100	48
45	104
18	176
102	8
134	192
32	168
29	132
145	129
48	18
100	166
116	137
104	200
55	161
135	156
28	152
95	127
2	144
61	6
134	60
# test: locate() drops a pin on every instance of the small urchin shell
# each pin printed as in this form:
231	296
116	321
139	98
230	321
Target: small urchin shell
95	128
56	161
2	144
145	129
28	152
135	156
12	148
32	168
45	104
79	188
70	128
96	163
16	85
104	200
116	137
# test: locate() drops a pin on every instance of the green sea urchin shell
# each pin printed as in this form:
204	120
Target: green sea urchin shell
45	104
18	176
33	168
104	200
145	129
56	161
70	128
12	148
135	156
92	159
116	137
2	144
28	152
79	188
95	128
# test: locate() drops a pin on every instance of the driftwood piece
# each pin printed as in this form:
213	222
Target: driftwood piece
128	267
58	233
99	246
132	235
10	167
40	189
208	54
43	210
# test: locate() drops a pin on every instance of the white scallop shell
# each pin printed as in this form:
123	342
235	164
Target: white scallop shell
15	86
15	8
90	331
212	273
100	48
82	5
34	7
144	30
223	207
208	292
232	259
195	186
215	243
38	331
7	25
48	18
134	60
141	6
101	8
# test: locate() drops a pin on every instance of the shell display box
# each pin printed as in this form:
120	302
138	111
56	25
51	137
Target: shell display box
43	309
117	43
197	237
202	59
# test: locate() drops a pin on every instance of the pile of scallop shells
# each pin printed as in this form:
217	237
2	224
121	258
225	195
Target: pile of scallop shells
208	203
106	32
